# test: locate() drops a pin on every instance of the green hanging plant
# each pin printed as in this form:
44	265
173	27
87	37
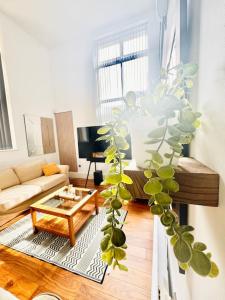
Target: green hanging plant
177	123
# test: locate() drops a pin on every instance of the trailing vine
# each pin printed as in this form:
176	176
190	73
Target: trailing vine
177	123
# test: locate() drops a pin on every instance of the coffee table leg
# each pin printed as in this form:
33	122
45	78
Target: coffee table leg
96	204
71	231
34	219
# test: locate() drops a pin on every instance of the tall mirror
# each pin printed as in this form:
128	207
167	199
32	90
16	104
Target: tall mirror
40	135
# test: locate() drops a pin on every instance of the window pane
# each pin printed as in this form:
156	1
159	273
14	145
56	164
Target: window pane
108	53
110	82
136	44
135	75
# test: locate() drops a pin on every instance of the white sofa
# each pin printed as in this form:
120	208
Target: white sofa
24	184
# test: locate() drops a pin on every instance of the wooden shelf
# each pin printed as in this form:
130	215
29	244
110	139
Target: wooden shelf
199	185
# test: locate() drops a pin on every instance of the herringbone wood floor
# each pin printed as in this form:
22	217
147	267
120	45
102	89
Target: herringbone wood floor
25	276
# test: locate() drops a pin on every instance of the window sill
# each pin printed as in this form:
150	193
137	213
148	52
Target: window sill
8	150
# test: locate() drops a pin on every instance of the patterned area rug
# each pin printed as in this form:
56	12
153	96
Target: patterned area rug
84	258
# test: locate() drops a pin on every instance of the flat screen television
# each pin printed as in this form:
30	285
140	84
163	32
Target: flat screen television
87	144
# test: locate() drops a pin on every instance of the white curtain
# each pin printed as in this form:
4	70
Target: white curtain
122	65
5	136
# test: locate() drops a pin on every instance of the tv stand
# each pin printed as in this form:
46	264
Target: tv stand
93	160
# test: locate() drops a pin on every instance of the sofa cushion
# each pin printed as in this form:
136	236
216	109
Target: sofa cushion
47	182
8	178
30	169
16	195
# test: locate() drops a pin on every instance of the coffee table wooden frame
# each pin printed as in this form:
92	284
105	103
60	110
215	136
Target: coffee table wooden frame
74	217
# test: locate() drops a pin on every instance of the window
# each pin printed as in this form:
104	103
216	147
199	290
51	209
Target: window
5	134
122	66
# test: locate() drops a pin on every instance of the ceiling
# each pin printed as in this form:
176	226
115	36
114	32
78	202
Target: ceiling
55	22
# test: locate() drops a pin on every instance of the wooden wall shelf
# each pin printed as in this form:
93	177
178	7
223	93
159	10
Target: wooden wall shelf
199	184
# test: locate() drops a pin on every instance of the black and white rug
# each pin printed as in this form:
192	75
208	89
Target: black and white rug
84	258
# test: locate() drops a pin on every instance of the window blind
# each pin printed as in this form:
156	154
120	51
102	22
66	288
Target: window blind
5	135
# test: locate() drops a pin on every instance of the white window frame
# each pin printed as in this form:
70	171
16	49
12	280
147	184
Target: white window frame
120	60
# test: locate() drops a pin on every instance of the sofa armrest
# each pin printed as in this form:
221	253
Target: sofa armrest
64	169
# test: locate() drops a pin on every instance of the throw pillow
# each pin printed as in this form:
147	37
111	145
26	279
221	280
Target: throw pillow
50	169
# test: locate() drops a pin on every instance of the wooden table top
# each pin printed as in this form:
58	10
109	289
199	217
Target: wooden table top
72	205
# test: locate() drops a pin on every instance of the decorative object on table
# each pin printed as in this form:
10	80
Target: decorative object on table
84	258
70	193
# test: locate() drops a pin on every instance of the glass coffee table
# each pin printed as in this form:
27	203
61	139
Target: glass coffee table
63	216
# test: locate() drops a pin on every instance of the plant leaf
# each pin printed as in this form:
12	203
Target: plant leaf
200	263
171	185
124	194
126	179
165	172
163	198
190	69
174	239
188	237
151	142
113	179
170	231
153	187
131	98
184	266
103	130
182	251
116	204
107	257
214	271
156	156
119	254
184	228
156	210
199	246
118	237
102	138
122	267
148	173
109	158
111	150
166	219
106	193
157	133
105	242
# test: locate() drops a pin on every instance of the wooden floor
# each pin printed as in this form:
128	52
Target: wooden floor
25	276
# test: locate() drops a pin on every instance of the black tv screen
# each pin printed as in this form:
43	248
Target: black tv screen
87	144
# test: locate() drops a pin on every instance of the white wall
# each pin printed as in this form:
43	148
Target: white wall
209	145
27	67
73	79
74	82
